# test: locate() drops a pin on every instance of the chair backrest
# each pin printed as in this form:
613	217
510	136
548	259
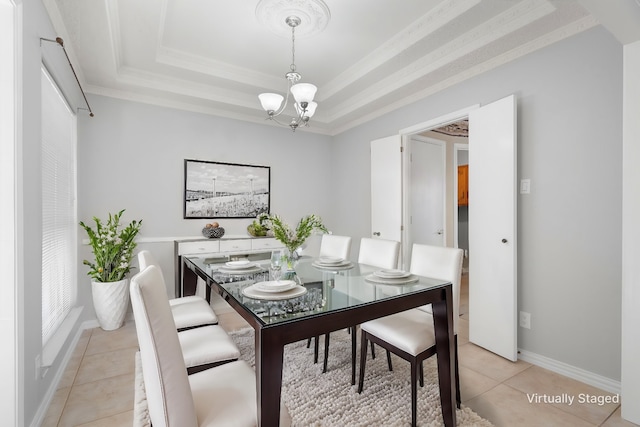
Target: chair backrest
442	263
380	253
335	246
166	383
145	259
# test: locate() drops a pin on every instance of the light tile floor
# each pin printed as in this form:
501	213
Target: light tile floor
97	387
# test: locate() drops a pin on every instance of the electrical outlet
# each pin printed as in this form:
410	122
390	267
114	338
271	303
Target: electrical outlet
525	320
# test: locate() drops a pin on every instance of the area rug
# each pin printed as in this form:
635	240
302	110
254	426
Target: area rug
316	399
140	408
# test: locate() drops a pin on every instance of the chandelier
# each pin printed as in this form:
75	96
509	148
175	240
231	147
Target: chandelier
303	93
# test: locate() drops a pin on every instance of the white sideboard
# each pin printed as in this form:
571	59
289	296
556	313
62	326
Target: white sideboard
228	247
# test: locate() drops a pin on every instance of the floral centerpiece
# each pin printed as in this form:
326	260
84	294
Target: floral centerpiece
293	239
112	248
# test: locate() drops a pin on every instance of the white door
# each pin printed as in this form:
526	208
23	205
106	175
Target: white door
492	228
386	188
427	191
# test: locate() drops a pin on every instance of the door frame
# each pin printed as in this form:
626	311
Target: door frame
406	135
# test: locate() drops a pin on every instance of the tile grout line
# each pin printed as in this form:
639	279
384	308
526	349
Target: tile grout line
75	375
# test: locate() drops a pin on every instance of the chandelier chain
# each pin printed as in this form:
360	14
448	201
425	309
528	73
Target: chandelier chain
293	48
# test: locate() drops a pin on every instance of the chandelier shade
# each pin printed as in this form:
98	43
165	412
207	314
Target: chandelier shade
303	92
309	112
271	101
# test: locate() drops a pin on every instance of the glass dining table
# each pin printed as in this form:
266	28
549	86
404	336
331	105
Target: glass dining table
323	299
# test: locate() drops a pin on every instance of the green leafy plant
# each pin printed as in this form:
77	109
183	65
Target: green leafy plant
293	239
112	248
259	227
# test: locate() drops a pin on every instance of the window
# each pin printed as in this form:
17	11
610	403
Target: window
59	219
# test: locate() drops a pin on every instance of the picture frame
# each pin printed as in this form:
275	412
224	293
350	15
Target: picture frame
225	190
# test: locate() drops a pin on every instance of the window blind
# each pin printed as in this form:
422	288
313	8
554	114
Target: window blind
59	224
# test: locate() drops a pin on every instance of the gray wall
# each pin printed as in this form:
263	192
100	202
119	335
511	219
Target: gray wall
569	227
131	155
570	104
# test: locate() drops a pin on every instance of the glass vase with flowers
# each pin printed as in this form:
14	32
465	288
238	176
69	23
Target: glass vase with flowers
292	238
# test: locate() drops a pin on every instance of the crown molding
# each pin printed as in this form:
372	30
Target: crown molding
442	14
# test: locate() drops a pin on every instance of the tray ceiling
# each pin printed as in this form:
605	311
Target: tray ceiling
215	57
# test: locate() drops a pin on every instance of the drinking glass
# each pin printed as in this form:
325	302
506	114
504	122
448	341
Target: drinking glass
275	270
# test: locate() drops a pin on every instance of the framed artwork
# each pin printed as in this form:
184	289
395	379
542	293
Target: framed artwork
225	190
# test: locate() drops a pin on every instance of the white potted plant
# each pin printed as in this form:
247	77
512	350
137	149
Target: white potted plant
112	248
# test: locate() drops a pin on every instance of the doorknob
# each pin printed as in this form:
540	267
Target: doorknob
376	233
504	240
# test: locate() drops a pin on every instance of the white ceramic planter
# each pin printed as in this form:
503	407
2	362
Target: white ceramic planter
110	301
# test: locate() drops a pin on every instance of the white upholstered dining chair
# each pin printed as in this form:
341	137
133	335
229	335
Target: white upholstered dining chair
331	245
373	254
377	254
188	312
410	334
380	253
221	396
335	246
203	347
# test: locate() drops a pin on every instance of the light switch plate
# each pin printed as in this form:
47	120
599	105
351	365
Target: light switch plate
525	186
525	320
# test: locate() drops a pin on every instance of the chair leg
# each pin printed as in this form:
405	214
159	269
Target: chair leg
389	360
309	343
373	351
414	392
421	374
364	342
316	344
326	353
354	347
457	374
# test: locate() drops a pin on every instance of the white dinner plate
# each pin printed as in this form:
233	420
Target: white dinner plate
392	274
239	265
345	265
392	280
253	292
275	285
330	260
239	271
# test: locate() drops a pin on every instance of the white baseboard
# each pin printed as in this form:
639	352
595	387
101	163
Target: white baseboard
38	419
578	374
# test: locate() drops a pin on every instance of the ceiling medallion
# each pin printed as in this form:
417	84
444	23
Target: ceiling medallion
314	16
